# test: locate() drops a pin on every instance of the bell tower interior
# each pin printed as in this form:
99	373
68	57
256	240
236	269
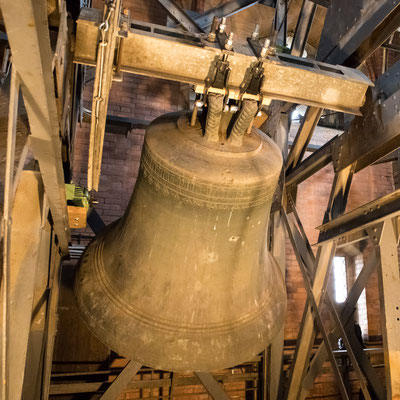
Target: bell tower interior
200	199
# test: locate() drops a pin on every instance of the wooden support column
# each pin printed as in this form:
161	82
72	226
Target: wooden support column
33	367
25	242
51	318
389	285
28	34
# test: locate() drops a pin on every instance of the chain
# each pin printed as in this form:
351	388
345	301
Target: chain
103	28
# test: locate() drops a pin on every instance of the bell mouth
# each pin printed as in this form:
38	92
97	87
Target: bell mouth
168	346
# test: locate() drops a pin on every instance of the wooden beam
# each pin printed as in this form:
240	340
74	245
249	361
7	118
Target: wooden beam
25	242
74	388
101	91
121	381
6	233
28	35
33	368
389	284
51	318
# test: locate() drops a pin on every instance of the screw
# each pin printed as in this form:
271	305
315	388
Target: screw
229	42
214	26
222	25
233	108
256	32
265	48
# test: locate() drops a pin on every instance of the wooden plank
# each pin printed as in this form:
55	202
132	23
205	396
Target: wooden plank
6	231
51	318
33	368
25	242
72	388
389	285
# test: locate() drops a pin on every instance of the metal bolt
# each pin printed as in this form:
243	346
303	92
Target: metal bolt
222	25
256	32
199	104
229	42
265	47
214	26
233	108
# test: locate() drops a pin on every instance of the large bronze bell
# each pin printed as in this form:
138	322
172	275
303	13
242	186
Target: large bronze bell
184	281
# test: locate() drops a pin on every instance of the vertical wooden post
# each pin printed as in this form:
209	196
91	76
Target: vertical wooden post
389	288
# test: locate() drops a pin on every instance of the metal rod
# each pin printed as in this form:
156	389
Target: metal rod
315	309
350	352
8	196
194	115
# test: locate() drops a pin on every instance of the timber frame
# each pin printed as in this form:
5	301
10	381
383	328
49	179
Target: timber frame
50	100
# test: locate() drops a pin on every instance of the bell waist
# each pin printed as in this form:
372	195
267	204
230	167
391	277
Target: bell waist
200	192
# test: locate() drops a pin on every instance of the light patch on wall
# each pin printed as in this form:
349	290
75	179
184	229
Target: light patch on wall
340	280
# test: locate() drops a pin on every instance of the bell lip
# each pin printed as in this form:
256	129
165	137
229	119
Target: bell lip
103	335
